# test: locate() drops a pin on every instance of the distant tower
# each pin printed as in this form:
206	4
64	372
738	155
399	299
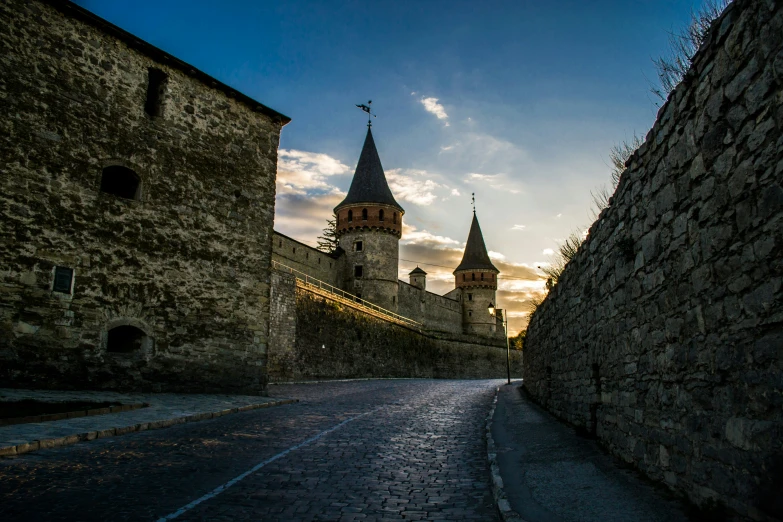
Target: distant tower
477	278
418	278
369	226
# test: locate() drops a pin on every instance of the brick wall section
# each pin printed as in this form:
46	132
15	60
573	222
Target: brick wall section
307	259
188	263
338	342
436	312
665	333
282	323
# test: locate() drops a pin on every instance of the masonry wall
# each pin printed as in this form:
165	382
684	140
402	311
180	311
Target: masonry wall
333	341
187	263
664	335
436	312
307	259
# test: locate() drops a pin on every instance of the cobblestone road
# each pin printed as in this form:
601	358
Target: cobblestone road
406	450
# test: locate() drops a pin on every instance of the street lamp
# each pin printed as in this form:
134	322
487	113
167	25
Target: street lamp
492	311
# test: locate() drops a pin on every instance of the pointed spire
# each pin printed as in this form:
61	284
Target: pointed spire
417	270
475	255
369	182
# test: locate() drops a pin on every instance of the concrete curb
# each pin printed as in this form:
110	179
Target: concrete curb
506	513
9	451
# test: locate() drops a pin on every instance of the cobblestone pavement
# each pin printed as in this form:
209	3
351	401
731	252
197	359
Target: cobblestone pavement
552	475
406	450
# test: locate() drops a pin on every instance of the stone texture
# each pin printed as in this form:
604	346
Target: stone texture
674	359
187	262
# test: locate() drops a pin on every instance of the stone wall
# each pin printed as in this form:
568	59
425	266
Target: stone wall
183	261
436	312
334	341
664	335
307	259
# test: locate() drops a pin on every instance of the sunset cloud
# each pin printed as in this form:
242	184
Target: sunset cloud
406	187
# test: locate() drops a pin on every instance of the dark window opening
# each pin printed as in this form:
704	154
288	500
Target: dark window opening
319	260
330	264
470	297
294	250
380	215
350	216
357	271
358	246
63	279
394	218
472	277
464	277
394	299
482	276
470	314
280	243
121	182
364	214
156	84
307	255
124	339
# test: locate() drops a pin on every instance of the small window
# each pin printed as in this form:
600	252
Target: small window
330	264
464	277
319	260
470	314
472	277
394	299
357	271
364	214
307	255
470	297
358	246
482	276
294	250
280	243
380	215
350	216
394	218
156	84
63	280
121	182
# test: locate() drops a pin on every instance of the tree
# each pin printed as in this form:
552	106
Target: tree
518	341
327	241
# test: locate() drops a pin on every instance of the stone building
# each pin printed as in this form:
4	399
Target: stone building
137	201
366	264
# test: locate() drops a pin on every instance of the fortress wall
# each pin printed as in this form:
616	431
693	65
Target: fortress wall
434	311
187	263
332	341
307	259
664	335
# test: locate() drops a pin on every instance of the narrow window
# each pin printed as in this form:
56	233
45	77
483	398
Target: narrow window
394	218
280	243
380	215
482	276
294	250
358	246
330	264
156	84
121	182
357	271
364	214
63	280
319	260
124	339
350	216
464	277
307	255
470	297
394	297
470	314
472	277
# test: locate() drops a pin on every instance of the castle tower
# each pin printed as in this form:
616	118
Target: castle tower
477	278
369	226
418	278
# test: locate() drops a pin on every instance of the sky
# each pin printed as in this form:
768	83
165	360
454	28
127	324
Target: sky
519	102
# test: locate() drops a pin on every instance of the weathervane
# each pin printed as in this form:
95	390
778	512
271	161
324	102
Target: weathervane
473	202
368	110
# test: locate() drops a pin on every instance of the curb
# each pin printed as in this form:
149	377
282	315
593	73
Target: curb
26	447
504	508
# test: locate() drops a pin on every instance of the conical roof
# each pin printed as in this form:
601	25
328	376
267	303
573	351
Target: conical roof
475	256
369	182
417	271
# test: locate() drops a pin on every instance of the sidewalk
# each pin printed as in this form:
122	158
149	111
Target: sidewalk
550	474
165	409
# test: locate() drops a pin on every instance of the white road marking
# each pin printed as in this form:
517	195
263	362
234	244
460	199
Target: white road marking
220	489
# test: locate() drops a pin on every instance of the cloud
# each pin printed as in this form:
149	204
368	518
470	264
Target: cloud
302	171
455	192
406	187
518	227
495	181
446	148
548	252
432	106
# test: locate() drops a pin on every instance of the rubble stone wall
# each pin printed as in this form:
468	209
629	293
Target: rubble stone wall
186	261
435	312
664	335
333	341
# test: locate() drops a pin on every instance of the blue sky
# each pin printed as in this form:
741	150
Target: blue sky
519	102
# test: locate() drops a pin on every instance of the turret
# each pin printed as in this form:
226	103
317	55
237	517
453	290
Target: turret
418	278
369	226
477	279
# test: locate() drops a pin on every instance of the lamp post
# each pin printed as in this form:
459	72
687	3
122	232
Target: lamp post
492	312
